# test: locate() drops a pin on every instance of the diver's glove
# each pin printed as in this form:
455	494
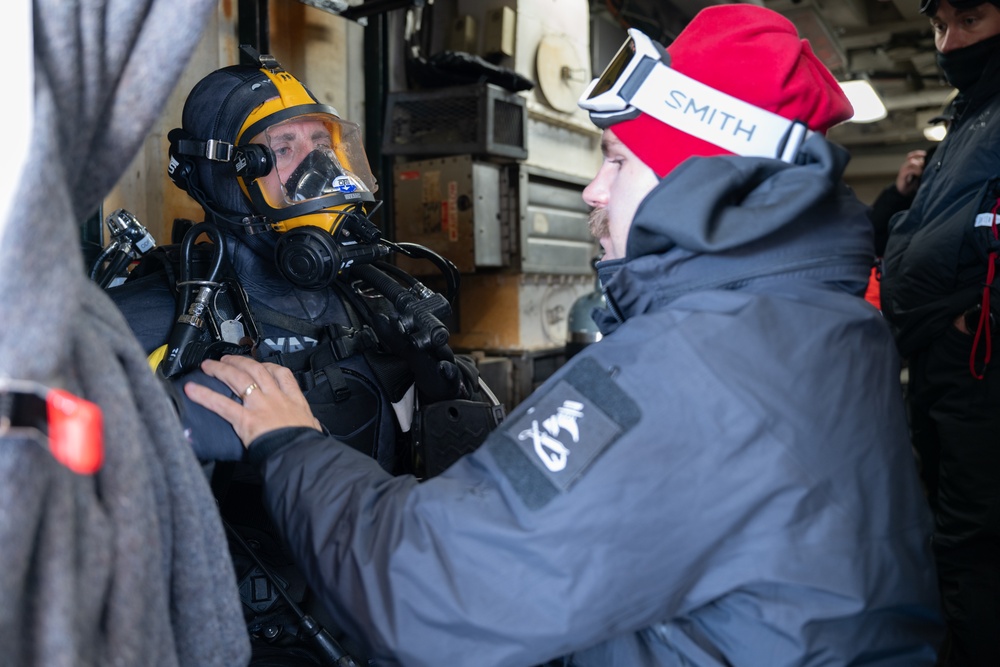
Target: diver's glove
436	374
471	387
211	437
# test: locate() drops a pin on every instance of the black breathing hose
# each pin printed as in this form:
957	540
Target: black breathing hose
116	265
444	265
416	305
194	313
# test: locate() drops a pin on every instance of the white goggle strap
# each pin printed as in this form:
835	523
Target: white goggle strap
720	119
692	107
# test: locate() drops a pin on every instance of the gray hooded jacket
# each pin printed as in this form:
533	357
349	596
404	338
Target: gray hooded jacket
128	566
724	479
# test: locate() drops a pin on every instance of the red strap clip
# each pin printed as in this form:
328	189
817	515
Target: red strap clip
73	426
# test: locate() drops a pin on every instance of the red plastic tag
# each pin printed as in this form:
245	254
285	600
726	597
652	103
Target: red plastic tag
76	431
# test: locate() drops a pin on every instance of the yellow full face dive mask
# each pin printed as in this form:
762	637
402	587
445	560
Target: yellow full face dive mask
309	160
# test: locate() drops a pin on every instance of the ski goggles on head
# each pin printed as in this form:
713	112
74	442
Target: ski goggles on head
640	79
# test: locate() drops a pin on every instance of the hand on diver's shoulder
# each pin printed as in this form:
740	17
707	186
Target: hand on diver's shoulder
268	397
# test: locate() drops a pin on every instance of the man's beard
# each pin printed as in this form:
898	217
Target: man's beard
598	223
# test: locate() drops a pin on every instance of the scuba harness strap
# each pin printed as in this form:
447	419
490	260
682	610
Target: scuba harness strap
267	315
313	365
336	343
443	429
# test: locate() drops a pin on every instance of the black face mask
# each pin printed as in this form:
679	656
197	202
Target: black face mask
313	177
964	67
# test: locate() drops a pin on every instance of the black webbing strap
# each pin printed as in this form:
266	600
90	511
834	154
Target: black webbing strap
336	343
391	372
270	316
342	342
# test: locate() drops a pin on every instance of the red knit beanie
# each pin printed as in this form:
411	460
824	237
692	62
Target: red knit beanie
753	54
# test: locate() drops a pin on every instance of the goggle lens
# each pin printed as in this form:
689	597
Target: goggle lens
619	64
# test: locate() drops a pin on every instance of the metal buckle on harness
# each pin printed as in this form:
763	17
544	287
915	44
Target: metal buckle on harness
220	151
255	224
345	341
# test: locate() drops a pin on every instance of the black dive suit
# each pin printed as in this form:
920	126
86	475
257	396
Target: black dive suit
357	389
292	322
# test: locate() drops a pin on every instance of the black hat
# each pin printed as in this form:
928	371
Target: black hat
215	109
930	7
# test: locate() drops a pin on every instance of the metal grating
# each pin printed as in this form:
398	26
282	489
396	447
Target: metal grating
482	120
508	123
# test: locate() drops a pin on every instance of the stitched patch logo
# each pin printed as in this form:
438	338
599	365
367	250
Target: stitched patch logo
551	442
553	453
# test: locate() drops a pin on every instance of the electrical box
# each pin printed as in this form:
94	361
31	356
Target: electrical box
484	120
506	312
484	215
458	207
518	236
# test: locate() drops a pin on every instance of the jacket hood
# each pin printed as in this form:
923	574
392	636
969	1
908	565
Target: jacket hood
741	223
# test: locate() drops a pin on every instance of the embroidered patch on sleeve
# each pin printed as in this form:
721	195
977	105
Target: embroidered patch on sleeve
546	449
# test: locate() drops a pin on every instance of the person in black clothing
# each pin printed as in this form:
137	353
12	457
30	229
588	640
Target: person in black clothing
939	295
287	194
293	273
895	197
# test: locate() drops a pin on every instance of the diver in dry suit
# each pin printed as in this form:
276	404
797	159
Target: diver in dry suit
287	267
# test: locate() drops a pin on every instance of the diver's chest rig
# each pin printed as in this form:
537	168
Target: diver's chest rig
396	325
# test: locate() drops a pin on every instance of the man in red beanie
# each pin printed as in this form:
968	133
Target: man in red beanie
724	479
939	293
